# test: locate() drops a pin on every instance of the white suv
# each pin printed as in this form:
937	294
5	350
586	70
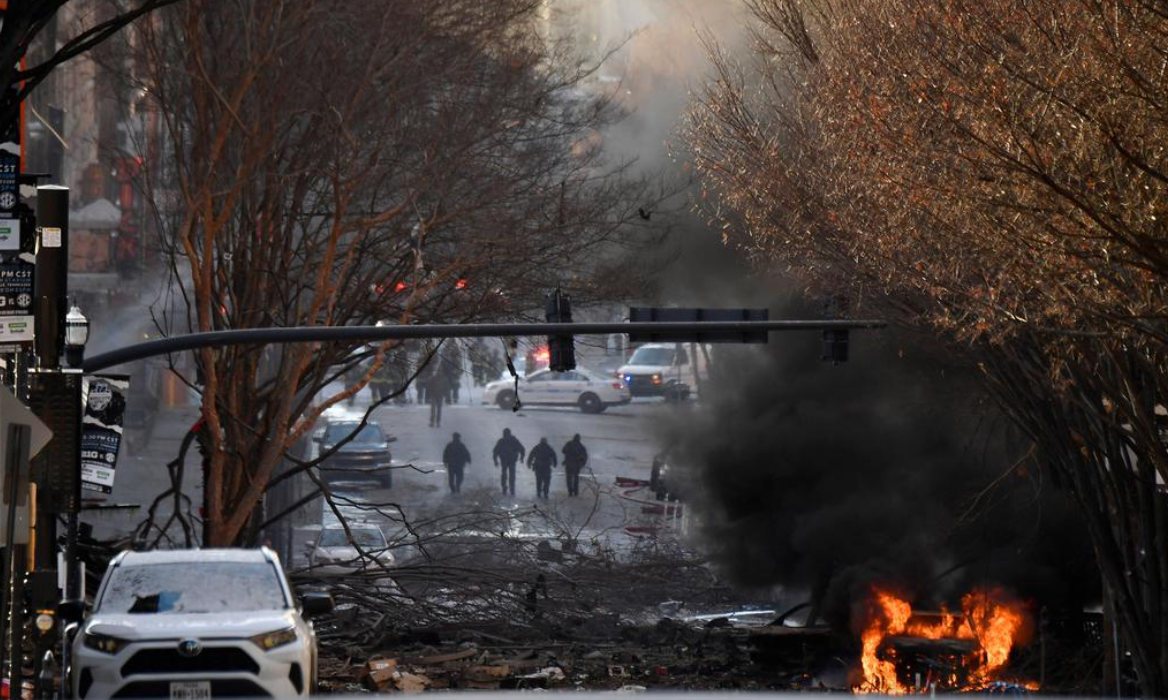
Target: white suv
196	624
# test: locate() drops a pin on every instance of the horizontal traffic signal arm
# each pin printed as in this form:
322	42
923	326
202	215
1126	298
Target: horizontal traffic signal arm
308	334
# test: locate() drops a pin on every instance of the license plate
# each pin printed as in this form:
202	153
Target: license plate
190	690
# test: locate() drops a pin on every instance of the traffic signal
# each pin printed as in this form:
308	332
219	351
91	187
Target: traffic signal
835	345
561	350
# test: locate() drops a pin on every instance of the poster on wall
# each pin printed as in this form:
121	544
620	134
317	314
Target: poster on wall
104	398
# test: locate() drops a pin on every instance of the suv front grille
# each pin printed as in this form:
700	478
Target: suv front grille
227	688
215	659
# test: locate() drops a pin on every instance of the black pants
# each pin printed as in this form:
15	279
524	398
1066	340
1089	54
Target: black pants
455	475
573	474
435	413
543	481
507	477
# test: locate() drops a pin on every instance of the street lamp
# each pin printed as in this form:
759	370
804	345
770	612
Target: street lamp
76	335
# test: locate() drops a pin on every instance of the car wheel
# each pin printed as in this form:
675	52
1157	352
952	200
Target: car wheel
591	403
505	399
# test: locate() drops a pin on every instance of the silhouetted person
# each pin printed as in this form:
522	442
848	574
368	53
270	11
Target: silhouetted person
575	457
542	459
451	365
455	457
437	391
508	451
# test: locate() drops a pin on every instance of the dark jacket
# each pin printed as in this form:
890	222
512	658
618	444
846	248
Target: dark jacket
437	387
575	455
455	455
542	456
509	450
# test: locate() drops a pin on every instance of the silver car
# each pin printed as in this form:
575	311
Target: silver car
335	552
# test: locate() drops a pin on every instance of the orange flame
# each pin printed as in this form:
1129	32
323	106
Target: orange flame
991	619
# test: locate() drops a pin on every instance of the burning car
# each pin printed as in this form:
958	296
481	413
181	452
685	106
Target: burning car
905	651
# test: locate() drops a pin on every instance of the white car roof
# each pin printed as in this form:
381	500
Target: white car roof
183	556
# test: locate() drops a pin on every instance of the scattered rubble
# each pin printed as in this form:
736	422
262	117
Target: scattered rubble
625	657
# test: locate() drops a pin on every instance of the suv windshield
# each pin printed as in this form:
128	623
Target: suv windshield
193	587
369	435
367	538
652	356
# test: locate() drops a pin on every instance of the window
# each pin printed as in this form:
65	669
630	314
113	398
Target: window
652	356
193	587
366	538
369	435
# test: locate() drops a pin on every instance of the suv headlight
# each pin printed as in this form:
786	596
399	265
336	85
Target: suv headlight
103	642
271	640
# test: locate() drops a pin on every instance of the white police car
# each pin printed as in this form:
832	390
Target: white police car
579	387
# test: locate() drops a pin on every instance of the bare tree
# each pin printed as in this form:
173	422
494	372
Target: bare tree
988	170
408	162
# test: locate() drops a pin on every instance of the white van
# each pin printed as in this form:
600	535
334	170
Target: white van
655	366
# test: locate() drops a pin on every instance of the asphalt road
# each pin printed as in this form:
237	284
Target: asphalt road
619	442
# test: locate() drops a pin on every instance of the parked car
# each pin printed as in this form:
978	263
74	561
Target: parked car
195	624
579	387
366	455
520	364
333	552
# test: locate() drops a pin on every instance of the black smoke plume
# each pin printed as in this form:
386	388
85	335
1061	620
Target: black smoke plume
892	468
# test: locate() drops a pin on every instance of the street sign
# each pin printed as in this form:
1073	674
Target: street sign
101	430
646	314
16	287
14	475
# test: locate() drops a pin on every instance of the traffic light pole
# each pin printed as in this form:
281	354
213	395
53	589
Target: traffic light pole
310	334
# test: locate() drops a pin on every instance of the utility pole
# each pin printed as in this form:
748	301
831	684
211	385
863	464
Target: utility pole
55	397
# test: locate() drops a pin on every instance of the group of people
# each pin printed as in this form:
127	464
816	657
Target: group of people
509	452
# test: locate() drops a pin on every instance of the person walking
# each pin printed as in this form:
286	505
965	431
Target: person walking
575	457
508	451
437	391
455	457
381	384
542	459
451	364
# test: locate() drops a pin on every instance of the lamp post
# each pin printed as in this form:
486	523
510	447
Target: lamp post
76	335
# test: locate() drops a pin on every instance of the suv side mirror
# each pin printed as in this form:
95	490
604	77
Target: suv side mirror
69	611
316	603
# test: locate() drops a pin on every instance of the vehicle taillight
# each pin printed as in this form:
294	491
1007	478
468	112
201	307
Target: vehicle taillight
618	385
